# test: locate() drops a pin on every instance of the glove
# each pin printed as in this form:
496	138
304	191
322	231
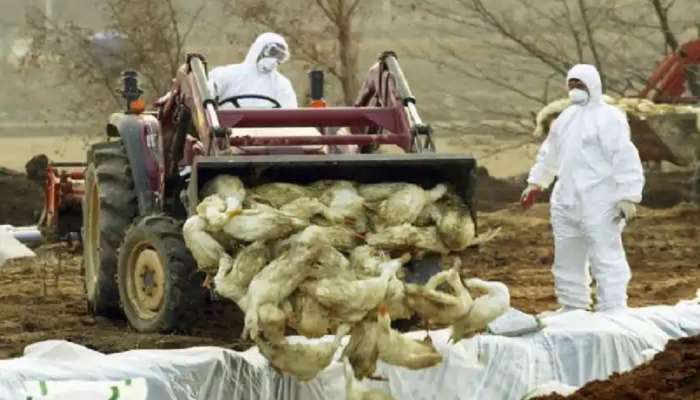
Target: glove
529	196
627	209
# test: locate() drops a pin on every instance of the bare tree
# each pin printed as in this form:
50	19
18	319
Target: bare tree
535	43
320	32
661	11
148	36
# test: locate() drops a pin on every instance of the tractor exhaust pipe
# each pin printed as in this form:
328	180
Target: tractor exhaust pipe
316	81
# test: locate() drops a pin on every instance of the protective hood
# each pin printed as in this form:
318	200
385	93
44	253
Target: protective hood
588	74
259	44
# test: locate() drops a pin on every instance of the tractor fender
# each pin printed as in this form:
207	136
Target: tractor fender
140	135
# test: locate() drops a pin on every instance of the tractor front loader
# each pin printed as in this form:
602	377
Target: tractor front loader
145	180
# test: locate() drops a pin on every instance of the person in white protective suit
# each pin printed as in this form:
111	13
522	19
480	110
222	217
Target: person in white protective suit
600	179
257	75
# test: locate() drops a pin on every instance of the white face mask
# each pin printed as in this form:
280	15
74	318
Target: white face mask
578	96
267	64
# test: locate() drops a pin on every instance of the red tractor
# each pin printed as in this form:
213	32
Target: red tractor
145	180
677	78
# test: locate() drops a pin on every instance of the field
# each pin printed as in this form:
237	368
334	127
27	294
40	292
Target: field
43	298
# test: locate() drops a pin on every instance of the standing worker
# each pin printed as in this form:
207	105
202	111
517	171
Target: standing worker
600	181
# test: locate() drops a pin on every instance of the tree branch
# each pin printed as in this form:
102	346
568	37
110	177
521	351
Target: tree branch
591	40
662	16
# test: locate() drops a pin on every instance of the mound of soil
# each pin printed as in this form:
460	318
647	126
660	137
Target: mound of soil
22	199
673	374
666	189
661	190
494	194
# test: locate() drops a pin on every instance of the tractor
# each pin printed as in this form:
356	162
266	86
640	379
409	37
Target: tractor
144	180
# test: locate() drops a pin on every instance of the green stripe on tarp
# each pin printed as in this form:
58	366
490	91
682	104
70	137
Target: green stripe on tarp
127	382
43	388
115	393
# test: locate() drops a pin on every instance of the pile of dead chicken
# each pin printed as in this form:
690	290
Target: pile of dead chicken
318	259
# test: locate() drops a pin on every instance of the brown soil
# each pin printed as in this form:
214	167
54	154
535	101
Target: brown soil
43	298
673	374
22	199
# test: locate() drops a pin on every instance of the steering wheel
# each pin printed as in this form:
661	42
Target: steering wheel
234	99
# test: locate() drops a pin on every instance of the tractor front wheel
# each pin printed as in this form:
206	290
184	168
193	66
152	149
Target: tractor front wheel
160	287
109	206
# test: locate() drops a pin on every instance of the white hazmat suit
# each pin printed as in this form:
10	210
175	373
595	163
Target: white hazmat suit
257	75
600	178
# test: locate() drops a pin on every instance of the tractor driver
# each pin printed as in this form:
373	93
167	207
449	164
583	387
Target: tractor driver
257	75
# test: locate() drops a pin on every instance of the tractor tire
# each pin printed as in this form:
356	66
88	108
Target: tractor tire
109	207
159	285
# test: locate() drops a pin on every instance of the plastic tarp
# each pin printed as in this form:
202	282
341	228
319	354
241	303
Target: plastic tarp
573	348
10	246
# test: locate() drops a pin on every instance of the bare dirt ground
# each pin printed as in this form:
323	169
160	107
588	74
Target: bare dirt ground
673	374
43	298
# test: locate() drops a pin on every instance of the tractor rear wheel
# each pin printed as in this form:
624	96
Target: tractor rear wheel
159	285
109	206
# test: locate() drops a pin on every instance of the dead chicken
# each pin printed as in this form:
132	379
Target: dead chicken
272	322
276	281
365	260
213	210
408	237
492	304
262	223
331	263
405	205
345	206
350	300
304	208
362	351
224	186
354	390
428	239
429	216
308	317
339	237
456	227
437	306
375	192
397	349
395	300
205	249
235	273
277	194
230	190
303	361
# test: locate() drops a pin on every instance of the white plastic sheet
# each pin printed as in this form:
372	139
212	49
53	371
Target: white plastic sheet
574	348
10	247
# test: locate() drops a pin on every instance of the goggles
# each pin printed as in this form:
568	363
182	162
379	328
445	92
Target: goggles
275	50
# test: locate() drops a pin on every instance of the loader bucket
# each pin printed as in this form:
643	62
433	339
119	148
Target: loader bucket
424	169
